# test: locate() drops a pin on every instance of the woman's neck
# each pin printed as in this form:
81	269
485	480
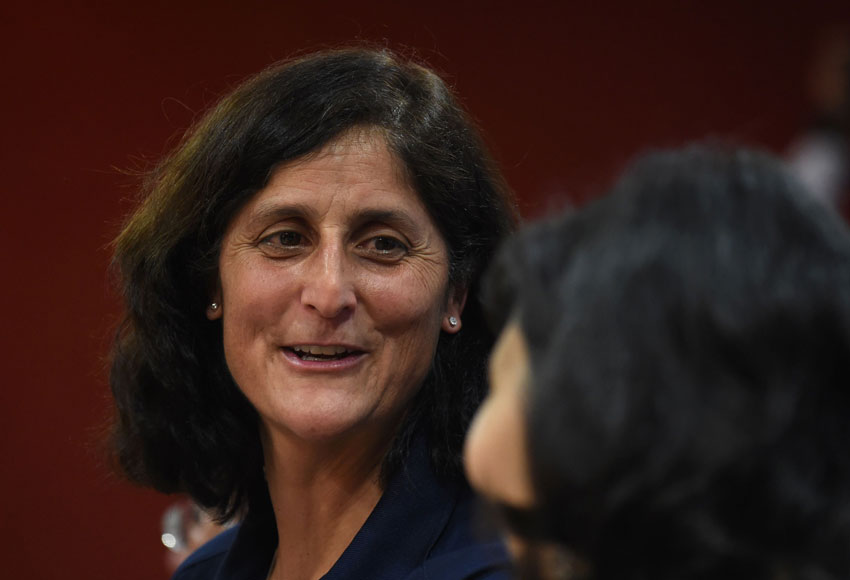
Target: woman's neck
322	494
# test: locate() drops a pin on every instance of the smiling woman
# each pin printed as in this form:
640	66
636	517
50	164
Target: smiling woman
303	344
330	304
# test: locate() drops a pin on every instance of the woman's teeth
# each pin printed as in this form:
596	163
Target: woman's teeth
318	353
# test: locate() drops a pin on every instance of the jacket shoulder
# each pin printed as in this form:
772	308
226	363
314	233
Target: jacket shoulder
204	563
485	561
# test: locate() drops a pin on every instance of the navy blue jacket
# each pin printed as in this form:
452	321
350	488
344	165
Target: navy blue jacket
421	529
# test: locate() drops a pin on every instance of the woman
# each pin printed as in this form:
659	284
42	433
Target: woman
670	390
303	345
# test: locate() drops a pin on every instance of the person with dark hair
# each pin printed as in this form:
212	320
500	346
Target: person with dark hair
669	393
303	345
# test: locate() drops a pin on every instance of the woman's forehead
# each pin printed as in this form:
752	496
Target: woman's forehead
352	180
366	139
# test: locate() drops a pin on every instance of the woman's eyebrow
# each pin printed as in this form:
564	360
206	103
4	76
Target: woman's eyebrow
272	212
391	217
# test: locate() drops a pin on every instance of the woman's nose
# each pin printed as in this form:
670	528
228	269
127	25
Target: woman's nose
327	286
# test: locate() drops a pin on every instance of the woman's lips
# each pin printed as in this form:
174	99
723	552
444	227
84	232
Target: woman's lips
323	357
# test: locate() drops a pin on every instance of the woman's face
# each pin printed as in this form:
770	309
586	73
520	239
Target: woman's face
495	454
334	289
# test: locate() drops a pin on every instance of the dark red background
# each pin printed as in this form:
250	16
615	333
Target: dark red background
566	96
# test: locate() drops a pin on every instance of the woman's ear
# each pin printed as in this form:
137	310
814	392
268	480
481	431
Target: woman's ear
452	318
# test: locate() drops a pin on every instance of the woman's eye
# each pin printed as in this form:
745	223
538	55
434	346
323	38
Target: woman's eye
284	240
384	244
385	248
289	238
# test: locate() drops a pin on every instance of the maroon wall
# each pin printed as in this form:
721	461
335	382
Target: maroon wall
565	95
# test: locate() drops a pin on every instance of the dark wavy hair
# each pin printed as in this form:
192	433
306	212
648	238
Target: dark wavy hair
689	336
181	422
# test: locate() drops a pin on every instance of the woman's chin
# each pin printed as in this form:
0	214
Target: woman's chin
326	426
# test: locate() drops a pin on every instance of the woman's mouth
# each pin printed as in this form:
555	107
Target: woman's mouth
316	353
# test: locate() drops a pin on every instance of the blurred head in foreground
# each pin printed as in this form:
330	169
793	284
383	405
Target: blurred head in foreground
669	393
